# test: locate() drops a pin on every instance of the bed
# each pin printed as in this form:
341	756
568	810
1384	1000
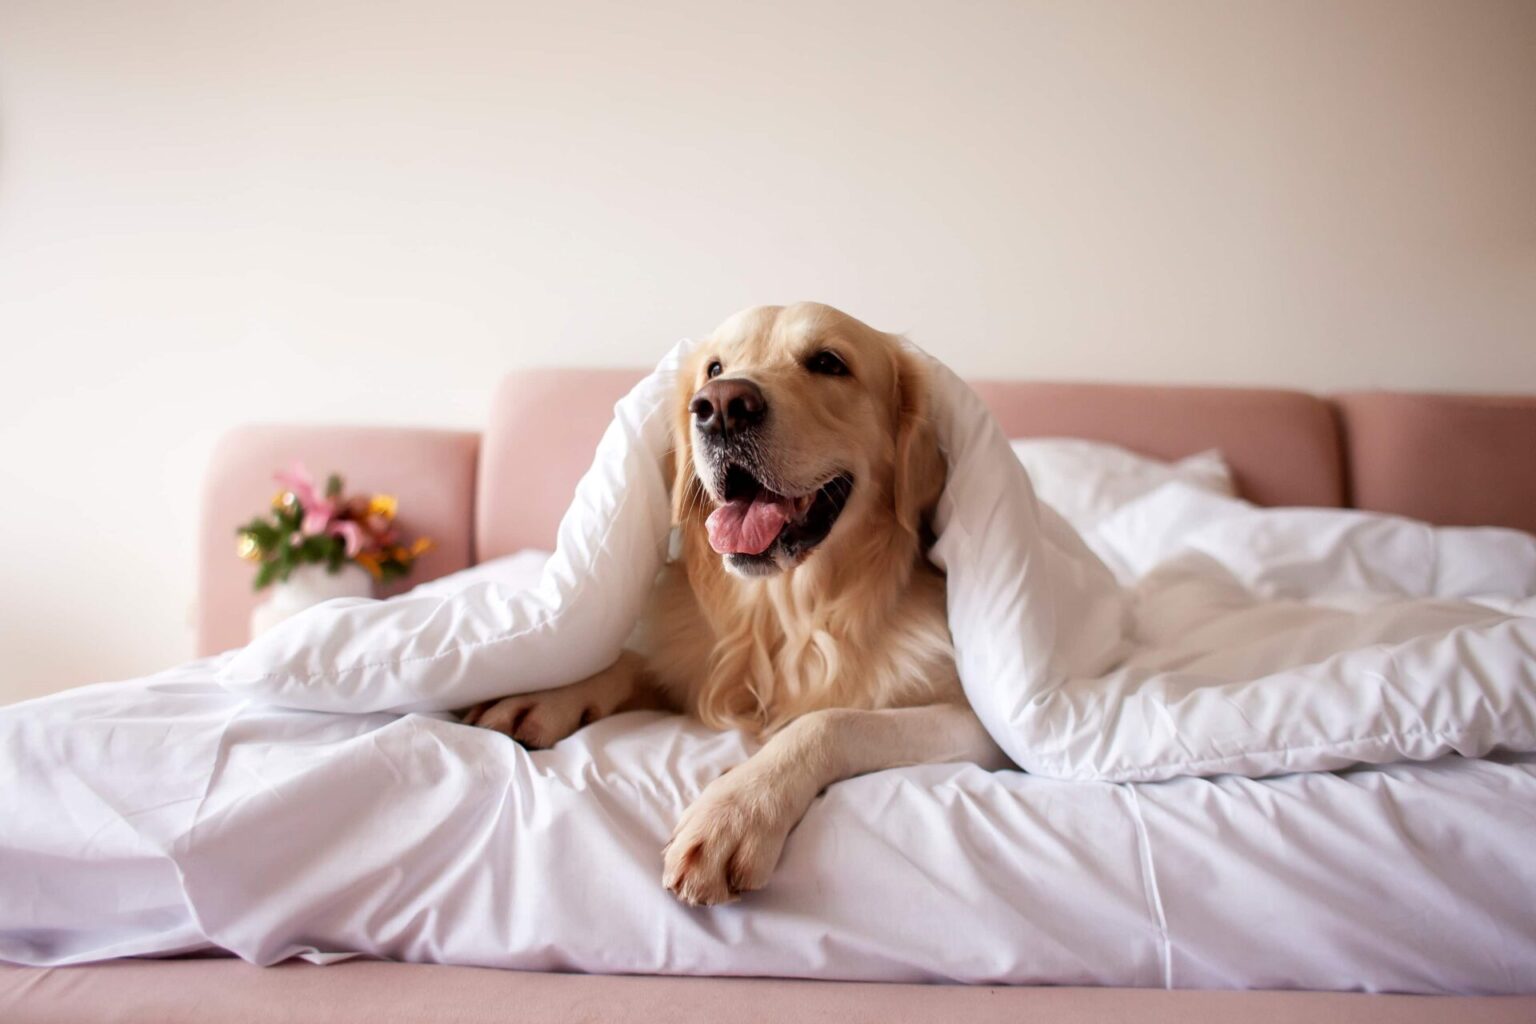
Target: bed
1444	459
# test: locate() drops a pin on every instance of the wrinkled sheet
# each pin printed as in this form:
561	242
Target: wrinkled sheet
1263	641
166	815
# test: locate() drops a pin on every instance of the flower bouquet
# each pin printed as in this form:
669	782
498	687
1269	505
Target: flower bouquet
317	544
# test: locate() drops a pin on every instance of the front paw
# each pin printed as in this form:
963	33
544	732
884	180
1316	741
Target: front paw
728	840
537	720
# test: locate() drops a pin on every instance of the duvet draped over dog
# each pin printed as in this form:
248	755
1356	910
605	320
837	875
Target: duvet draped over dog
1240	726
1073	674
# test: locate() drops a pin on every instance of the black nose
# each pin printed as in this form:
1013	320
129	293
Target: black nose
727	405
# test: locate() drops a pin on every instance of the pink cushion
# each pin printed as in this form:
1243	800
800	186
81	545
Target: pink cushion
432	472
543	430
195	991
1457	460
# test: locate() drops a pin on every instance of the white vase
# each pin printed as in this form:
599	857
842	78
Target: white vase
305	587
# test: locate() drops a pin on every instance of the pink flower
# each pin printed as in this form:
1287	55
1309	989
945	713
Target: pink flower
317	518
326	515
347	531
298	480
318	511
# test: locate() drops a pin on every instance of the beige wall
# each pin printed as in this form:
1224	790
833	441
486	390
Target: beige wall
219	212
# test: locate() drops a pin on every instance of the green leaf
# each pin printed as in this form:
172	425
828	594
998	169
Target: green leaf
265	535
265	575
333	486
310	549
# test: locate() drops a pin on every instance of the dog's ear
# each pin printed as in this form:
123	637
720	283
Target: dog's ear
687	492
920	468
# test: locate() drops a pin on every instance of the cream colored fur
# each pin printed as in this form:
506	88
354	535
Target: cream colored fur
842	662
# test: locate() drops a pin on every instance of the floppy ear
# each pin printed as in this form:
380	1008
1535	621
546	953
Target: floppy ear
920	468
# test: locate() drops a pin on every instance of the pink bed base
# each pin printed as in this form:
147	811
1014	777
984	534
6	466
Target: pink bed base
362	992
1446	459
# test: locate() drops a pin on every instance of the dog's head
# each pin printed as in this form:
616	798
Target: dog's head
800	428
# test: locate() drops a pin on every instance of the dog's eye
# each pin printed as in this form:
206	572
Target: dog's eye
714	369
827	363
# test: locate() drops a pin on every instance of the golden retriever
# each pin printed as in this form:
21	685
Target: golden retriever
801	608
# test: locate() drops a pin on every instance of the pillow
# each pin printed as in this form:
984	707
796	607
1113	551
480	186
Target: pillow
1086	481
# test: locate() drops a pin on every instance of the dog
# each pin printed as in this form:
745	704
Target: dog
801	608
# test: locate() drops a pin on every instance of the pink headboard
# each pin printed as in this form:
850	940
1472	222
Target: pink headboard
1442	458
1282	445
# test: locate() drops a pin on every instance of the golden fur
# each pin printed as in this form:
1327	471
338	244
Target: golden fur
861	622
839	657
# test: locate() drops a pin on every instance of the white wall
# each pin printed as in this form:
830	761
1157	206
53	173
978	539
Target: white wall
220	212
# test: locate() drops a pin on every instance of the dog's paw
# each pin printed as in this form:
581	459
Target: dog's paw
538	720
728	841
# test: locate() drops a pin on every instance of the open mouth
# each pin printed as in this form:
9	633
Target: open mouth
760	530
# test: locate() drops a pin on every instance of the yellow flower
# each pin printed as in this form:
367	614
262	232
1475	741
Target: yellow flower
421	547
383	505
248	549
368	560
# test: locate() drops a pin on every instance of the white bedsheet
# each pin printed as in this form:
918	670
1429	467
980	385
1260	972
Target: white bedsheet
167	815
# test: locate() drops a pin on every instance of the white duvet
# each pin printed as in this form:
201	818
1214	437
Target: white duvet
189	811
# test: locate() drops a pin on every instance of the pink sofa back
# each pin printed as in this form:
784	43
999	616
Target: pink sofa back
1441	458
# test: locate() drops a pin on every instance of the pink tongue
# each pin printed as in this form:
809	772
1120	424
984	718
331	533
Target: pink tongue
748	526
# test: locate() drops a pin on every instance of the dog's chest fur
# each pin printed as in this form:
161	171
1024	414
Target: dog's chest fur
756	654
